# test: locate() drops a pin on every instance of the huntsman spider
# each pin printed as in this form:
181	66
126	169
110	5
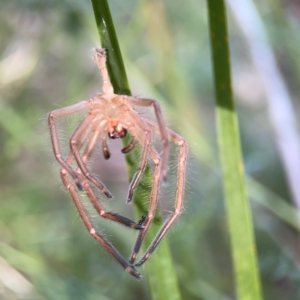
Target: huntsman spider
114	116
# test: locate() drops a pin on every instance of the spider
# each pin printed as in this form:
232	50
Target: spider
113	116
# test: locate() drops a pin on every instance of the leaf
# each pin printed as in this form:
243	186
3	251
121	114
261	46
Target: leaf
236	202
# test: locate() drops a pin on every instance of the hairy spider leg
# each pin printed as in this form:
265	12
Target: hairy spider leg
80	141
73	145
145	142
108	215
161	124
86	155
140	131
54	137
152	203
97	132
178	140
100	239
87	131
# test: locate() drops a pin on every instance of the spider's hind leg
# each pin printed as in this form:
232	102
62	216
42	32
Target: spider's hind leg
90	228
179	141
156	178
108	215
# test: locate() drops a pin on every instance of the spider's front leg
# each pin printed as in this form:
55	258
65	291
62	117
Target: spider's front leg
143	102
89	119
78	139
54	137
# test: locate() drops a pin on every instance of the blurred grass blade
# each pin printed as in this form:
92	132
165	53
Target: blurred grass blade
161	274
238	210
280	104
274	203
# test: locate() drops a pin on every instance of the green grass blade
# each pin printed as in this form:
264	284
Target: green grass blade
109	41
160	270
274	203
238	210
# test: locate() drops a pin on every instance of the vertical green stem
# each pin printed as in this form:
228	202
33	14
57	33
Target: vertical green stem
160	269
237	206
109	41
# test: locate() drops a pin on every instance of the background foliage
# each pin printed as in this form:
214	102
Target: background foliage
45	63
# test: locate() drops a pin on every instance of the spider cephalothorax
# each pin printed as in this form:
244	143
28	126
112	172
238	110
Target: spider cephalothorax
114	116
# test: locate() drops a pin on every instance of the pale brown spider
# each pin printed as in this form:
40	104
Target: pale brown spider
114	116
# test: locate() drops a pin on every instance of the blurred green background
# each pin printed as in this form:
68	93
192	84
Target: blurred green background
45	63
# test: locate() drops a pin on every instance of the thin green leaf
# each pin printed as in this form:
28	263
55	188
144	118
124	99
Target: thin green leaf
161	274
237	206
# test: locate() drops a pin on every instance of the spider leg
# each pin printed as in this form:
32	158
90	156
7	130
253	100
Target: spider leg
152	206
91	143
85	157
177	139
73	145
128	148
101	240
101	211
135	180
54	137
80	141
161	124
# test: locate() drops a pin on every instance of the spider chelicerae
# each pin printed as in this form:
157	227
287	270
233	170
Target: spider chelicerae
114	116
